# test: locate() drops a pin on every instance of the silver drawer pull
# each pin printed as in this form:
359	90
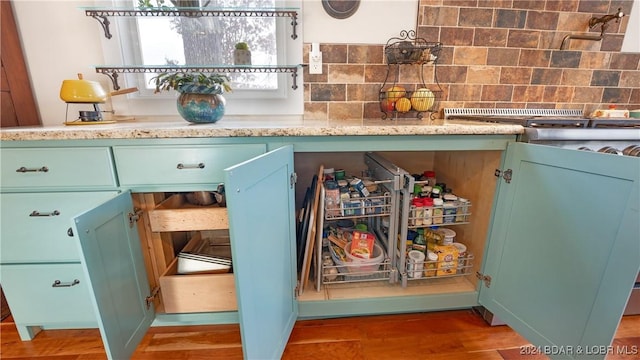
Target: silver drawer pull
190	166
24	169
37	213
59	283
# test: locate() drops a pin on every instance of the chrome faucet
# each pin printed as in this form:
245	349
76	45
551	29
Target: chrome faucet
604	20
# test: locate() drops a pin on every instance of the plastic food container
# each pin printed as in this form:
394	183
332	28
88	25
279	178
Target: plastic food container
449	236
358	266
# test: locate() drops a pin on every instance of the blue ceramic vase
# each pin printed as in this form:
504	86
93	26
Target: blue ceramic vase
201	104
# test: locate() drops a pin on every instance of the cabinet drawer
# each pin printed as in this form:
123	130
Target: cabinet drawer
65	168
179	164
183	293
34	299
34	225
176	214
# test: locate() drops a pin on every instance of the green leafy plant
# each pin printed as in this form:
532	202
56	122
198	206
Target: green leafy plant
176	80
242	46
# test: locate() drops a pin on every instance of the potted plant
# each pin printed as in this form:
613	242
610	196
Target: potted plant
242	54
200	99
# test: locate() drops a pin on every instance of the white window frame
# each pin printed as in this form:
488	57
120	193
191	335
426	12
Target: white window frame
283	101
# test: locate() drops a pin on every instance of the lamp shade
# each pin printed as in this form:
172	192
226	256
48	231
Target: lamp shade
82	91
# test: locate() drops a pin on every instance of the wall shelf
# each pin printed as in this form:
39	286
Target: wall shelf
113	71
102	15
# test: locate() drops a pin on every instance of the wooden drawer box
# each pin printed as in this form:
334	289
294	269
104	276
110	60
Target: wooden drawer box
176	214
180	165
197	292
59	168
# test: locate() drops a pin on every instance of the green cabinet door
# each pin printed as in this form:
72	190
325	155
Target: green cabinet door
564	247
114	265
260	199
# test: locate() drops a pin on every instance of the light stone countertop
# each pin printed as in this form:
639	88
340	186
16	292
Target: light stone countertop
250	127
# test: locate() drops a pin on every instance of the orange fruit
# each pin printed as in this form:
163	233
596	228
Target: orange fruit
422	99
403	105
396	92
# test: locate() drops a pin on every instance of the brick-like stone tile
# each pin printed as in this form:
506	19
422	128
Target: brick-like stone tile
625	61
496	4
616	95
334	53
630	79
543	20
573	22
328	92
584	94
475	17
478	74
463	92
490	37
365	54
565	59
558	94
527	94
562	5
454	36
497	92
315	110
503	56
590	6
511	19
546	76
345	110
536	58
375	73
605	78
523	38
515	75
440	16
528	4
348	74
612	42
595	60
465	55
452	74
576	77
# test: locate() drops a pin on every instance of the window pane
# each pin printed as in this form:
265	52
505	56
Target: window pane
209	40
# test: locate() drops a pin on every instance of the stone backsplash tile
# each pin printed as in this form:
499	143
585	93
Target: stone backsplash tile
496	53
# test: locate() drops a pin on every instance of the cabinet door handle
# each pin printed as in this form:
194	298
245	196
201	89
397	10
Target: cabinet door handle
59	283
37	213
190	166
24	169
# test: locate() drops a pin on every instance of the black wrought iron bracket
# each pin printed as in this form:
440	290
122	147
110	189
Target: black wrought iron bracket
113	71
102	15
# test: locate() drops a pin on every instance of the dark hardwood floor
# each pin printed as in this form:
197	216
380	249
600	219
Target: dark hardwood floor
459	334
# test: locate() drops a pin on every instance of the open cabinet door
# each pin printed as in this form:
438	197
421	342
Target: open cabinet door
564	247
114	265
260	200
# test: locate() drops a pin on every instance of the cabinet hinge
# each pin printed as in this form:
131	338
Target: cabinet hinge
293	179
134	217
485	278
506	175
149	299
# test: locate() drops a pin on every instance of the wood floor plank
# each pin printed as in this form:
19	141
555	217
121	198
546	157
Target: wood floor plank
445	335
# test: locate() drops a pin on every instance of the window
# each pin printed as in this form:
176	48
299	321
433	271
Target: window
209	40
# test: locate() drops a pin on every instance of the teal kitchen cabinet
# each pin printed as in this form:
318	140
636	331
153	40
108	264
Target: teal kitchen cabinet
564	247
40	268
262	251
545	251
